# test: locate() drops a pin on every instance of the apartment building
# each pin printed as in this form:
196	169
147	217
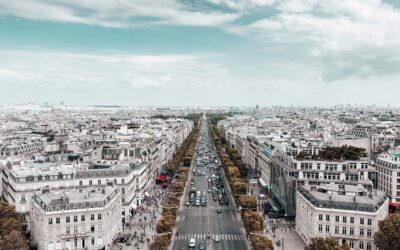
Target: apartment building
388	167
348	213
21	181
75	220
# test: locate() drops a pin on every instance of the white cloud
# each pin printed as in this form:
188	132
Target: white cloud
342	37
48	69
117	14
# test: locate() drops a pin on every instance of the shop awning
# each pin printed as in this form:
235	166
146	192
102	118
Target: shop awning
393	204
273	204
262	182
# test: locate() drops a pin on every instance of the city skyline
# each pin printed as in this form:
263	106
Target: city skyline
211	53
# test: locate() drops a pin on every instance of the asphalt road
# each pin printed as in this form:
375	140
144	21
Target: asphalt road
199	222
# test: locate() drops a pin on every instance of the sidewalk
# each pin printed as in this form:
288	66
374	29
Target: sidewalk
141	228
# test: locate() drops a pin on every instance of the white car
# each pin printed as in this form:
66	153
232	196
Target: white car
192	243
217	239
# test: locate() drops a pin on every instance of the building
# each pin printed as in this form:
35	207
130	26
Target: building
87	220
22	180
348	213
388	167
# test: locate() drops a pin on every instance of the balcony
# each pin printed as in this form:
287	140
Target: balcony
75	236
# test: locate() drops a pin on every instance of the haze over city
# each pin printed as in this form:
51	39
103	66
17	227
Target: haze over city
216	52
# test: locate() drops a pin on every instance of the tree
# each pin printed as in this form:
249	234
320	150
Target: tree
161	242
321	243
253	221
248	202
13	240
10	228
388	236
259	242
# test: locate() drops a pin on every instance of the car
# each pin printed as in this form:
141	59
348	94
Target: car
197	203
219	210
192	243
202	245
217	238
187	203
209	190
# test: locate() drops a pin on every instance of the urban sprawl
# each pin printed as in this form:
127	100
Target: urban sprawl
108	177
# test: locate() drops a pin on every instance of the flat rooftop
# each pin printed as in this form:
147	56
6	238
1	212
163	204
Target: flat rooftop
51	201
342	196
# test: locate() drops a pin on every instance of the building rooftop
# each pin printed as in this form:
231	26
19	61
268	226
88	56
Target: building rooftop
343	197
50	201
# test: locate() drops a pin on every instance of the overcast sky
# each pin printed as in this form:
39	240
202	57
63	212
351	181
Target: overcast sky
192	52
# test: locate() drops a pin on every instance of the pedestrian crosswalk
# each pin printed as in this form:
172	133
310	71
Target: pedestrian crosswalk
213	236
207	207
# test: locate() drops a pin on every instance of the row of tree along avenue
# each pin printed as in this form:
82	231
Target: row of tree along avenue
236	173
176	169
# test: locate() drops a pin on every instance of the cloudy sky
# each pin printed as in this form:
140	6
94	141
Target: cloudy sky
208	52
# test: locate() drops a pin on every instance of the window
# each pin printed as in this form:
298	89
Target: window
67	219
23	198
90	183
82	218
351	244
362	221
327	228
368	245
344	219
57	220
92	241
83	229
320	217
369	233
369	222
344	230
92	217
75	218
75	229
99	216
50	232
80	183
50	220
327	217
361	244
352	231
115	181
337	218
67	230
336	229
99	227
92	228
361	231
351	219
99	182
